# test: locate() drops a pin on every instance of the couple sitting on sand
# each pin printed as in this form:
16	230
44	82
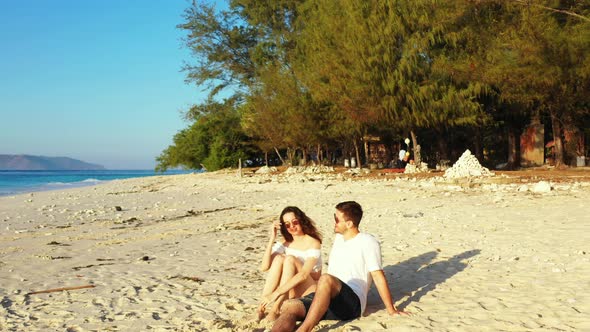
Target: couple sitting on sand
295	286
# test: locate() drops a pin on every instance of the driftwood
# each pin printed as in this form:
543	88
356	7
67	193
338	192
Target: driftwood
77	268
60	289
195	279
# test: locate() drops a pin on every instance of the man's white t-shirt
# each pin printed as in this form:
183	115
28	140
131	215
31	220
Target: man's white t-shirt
352	262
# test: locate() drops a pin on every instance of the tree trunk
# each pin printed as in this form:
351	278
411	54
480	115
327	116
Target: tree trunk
304	157
558	148
357	152
319	154
512	150
478	144
443	147
280	157
290	156
416	149
266	158
366	147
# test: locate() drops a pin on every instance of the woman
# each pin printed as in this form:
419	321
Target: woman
293	266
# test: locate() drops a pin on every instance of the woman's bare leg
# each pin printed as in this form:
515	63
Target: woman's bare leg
306	287
291	266
273	278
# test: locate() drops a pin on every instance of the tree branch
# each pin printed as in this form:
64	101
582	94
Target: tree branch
526	2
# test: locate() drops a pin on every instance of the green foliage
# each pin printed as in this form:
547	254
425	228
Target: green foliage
374	60
309	73
214	141
222	47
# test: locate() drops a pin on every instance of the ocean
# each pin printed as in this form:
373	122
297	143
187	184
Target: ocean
18	182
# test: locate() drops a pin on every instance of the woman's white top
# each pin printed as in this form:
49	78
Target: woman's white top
302	255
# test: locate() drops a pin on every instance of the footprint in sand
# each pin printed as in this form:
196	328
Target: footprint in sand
99	302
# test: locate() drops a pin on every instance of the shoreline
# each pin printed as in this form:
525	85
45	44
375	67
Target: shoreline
180	252
53	187
29	182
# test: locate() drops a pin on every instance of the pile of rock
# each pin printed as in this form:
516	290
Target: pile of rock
309	169
358	171
266	170
412	168
467	166
443	165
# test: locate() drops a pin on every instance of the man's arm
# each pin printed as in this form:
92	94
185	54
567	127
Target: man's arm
383	289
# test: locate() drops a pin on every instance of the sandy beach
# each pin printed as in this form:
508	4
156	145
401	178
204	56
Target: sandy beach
180	253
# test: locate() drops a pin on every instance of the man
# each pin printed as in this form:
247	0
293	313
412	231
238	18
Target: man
355	261
403	158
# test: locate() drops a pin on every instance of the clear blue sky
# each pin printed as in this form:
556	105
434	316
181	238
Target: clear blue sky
95	80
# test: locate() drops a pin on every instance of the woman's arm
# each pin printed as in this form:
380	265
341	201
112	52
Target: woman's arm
299	277
267	258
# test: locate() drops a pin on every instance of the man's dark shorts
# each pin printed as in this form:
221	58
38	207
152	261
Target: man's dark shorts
344	306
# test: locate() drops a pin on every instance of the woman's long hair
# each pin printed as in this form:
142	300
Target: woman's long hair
307	225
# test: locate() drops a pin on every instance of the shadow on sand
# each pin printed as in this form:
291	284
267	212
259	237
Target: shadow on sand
417	276
413	279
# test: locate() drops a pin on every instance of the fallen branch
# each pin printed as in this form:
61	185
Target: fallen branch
191	213
61	289
77	268
195	279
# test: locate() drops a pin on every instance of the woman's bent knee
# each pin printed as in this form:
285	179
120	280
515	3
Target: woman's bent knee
277	260
290	260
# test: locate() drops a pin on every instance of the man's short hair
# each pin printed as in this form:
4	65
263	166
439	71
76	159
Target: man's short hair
352	211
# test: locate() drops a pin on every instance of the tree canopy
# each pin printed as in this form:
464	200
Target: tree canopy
320	75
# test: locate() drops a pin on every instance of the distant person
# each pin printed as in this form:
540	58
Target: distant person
355	261
294	265
402	158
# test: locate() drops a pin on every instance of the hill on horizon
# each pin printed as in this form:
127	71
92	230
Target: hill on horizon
21	162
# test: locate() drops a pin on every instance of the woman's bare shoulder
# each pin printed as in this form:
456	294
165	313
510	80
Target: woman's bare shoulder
313	243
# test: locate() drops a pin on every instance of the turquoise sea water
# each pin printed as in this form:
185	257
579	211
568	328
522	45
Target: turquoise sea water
18	182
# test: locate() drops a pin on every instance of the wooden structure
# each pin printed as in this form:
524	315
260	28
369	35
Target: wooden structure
376	152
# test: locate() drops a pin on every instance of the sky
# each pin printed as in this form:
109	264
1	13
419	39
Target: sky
95	80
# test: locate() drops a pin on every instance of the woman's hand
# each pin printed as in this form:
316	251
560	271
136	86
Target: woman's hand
268	299
276	225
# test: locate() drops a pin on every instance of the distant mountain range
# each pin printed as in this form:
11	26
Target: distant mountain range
41	163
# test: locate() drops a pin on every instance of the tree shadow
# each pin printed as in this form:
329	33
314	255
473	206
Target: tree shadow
417	276
413	278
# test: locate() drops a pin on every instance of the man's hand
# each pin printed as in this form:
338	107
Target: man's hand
383	289
393	311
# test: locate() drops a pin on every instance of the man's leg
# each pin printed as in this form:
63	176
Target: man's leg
292	311
328	287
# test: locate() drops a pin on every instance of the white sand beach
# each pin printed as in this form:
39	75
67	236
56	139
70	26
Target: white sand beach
498	253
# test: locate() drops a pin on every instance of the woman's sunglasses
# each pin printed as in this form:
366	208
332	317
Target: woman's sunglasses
291	223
